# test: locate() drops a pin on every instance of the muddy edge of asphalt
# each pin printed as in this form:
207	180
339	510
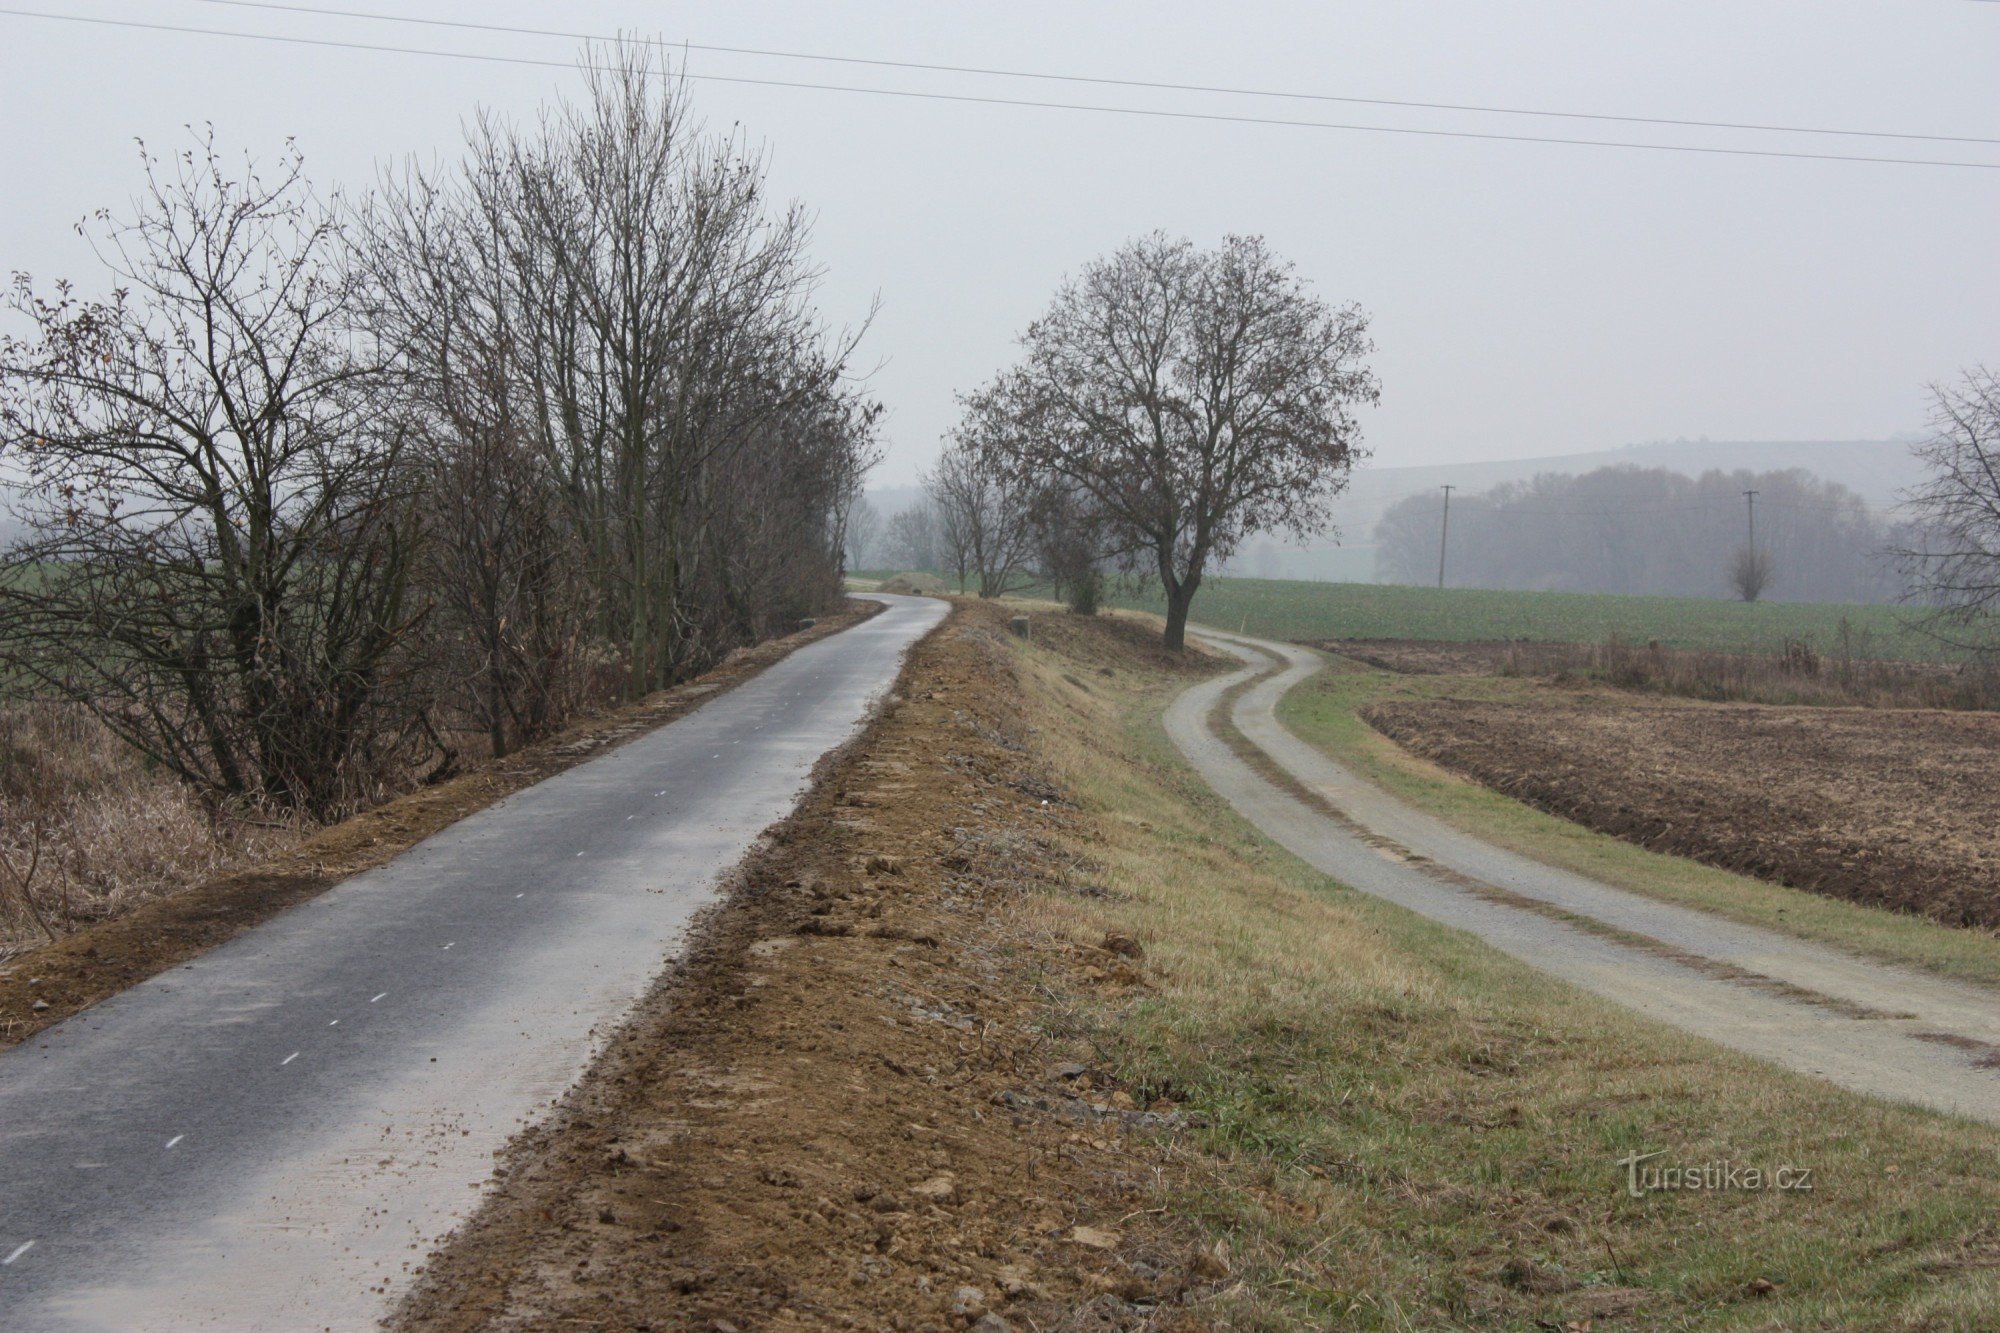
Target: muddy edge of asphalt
45	985
846	1105
1870	1027
273	1134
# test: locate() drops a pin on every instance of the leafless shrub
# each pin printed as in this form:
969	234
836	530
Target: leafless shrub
1750	572
1801	673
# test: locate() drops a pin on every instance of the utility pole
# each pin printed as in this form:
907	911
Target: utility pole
1444	533
1751	496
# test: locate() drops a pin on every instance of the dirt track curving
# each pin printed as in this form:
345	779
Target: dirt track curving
1872	1028
1892	808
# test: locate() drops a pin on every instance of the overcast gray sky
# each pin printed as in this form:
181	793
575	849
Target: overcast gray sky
1528	298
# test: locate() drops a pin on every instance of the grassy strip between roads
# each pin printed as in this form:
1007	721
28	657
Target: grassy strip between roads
1325	711
1401	1127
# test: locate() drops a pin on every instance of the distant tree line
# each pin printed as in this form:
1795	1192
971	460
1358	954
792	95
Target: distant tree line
1652	531
323	495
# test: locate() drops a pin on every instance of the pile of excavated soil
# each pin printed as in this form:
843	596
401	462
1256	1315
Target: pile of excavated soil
1892	808
47	985
853	1103
915	584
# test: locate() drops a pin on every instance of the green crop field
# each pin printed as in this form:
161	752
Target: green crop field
1308	612
1288	609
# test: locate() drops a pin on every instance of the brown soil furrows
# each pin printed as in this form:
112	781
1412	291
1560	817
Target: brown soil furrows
845	1107
1892	808
48	984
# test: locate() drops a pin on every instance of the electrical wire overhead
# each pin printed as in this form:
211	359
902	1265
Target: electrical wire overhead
984	100
1094	80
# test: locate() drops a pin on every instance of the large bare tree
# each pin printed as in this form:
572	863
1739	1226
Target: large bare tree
1195	396
1954	560
220	532
503	568
985	513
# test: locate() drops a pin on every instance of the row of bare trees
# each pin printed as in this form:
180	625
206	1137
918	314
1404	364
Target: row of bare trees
322	493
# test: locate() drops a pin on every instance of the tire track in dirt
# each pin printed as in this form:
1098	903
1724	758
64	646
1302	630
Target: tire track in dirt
1890	1033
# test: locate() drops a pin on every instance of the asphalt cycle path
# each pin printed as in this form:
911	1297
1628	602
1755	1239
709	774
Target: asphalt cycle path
273	1135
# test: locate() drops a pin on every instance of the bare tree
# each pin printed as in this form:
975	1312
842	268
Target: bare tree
220	532
985	513
665	324
1954	560
1751	571
864	532
503	567
910	539
1196	397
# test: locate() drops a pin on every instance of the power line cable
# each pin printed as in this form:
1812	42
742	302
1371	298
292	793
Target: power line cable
1095	80
973	99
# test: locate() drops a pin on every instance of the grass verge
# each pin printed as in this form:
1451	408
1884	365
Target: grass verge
1401	1127
1325	711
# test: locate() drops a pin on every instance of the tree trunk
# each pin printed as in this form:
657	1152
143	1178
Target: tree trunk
1179	598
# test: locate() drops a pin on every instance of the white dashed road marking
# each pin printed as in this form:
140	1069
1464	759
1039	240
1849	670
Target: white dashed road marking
378	997
288	1059
175	1139
18	1251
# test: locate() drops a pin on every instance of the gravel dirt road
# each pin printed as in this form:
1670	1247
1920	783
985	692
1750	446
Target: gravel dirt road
1867	1026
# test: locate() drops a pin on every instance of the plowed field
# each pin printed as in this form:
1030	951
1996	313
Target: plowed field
1892	808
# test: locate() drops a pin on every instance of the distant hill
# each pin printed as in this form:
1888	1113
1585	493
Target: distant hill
1876	470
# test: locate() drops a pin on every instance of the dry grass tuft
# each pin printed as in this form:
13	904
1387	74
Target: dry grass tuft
88	831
